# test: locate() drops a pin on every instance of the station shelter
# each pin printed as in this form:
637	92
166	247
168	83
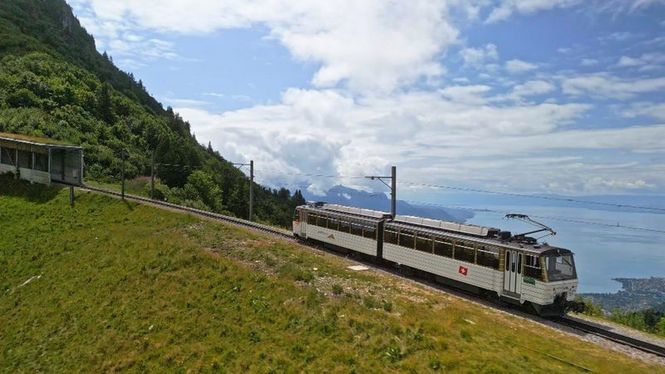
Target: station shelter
41	160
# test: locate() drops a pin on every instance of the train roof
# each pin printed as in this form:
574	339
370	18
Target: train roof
537	248
448	225
357	212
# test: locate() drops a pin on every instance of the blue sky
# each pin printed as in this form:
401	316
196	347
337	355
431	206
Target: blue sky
560	96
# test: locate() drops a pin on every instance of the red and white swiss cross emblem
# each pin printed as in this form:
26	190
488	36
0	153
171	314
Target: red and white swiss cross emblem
462	270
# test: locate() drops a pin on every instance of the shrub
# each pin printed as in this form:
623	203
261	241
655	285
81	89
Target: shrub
337	289
393	354
22	97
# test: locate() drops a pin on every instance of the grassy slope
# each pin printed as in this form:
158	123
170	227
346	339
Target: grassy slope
129	286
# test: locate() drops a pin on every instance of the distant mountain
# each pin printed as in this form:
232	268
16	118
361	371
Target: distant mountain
378	201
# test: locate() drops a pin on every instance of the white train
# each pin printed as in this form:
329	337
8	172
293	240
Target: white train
483	259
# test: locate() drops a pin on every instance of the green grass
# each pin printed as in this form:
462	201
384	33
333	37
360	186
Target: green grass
131	287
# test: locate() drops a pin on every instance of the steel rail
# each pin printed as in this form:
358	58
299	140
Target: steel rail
221	217
603	332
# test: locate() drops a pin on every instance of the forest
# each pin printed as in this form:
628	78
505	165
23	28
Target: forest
54	83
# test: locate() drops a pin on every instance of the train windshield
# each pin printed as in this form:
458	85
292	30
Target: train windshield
560	267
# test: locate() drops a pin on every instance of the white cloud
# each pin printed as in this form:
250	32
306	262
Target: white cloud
645	62
471	94
652	110
588	62
604	85
532	88
366	45
479	56
327	132
507	7
516	66
628	61
432	136
233	97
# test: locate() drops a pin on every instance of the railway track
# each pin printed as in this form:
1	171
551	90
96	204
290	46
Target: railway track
217	216
570	322
603	332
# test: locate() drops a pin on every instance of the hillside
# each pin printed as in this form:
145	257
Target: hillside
109	285
54	83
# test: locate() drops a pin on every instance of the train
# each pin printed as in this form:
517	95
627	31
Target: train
513	268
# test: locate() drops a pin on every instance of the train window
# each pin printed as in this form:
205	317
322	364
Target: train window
311	218
356	229
507	260
424	244
464	252
519	264
322	221
369	232
532	267
344	226
443	248
390	236
487	257
333	223
560	267
406	239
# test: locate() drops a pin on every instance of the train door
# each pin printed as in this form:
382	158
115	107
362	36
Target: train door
303	222
512	275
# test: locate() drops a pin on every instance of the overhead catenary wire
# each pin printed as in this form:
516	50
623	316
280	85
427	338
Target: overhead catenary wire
556	218
553	198
483	191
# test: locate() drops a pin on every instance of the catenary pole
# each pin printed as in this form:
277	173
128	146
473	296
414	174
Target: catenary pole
123	174
251	189
393	191
392	186
152	176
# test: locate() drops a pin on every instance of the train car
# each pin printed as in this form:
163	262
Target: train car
354	229
514	268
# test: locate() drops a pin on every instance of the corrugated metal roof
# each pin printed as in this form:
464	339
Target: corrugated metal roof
36	141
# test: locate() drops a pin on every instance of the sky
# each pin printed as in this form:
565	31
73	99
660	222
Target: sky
526	96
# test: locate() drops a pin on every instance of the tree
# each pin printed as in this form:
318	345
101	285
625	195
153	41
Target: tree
22	97
201	186
298	199
104	104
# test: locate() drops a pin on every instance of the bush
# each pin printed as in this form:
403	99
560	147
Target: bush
586	306
337	289
22	97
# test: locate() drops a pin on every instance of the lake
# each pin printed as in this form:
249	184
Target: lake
601	252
